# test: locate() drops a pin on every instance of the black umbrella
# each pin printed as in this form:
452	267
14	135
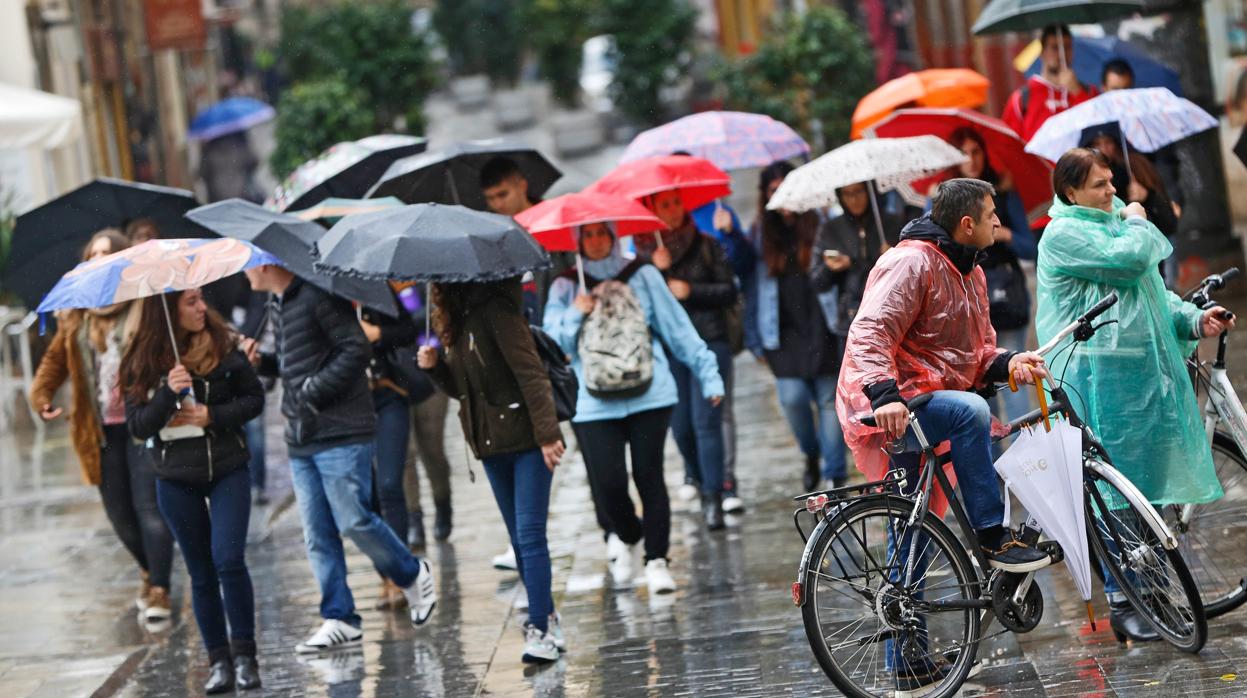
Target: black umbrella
290	240
452	175
346	170
48	240
429	242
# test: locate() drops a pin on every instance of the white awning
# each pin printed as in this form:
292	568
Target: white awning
34	119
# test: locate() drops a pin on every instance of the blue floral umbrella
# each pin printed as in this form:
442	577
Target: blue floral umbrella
229	116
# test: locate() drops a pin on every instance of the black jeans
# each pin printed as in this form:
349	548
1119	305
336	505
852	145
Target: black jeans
128	490
210	522
603	445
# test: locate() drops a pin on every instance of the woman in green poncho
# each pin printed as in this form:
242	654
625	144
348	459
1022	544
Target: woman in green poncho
1131	377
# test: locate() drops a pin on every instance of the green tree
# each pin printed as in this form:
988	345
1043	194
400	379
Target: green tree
556	30
815	66
652	43
313	116
371	46
481	36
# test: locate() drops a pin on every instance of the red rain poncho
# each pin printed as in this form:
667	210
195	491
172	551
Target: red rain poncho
921	323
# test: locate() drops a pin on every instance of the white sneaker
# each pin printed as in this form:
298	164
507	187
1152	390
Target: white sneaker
621	555
422	594
687	492
539	647
506	560
332	635
615	547
659	577
556	631
733	505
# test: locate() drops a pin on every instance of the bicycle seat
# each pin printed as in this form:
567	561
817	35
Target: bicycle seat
912	403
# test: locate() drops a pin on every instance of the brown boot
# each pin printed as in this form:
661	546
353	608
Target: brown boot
145	589
391	597
158	607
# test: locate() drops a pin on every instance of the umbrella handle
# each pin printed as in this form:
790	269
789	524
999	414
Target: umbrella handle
173	340
874	207
428	312
1125	153
580	272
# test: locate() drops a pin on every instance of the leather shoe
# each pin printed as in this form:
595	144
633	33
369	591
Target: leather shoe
1128	624
712	509
220	677
246	672
441	520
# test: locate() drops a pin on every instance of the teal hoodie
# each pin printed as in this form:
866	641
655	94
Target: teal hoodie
1130	382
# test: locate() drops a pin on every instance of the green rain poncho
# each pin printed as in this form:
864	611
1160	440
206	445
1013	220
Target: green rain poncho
1131	377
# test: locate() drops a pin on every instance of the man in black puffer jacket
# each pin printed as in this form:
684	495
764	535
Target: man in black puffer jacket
322	360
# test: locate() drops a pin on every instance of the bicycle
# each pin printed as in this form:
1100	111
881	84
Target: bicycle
868	608
1203	530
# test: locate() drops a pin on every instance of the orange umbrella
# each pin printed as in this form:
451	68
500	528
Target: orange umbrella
938	87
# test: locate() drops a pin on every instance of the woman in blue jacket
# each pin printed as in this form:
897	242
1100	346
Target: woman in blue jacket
606	426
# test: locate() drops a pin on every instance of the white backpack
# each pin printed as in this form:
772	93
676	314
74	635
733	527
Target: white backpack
615	347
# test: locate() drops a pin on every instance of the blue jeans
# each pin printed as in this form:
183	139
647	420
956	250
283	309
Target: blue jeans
393	431
256	444
521	485
210	524
800	398
964	420
696	425
333	487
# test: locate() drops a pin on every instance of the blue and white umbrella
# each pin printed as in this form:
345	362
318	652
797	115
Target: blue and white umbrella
229	116
1149	119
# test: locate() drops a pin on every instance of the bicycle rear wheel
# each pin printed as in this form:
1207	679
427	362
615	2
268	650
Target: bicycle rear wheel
1209	535
1156	581
872	634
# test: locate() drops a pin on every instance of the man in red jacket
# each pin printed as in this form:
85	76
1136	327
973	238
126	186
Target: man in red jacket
1052	91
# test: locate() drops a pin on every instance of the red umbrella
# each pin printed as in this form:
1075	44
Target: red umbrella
554	221
697	179
1032	175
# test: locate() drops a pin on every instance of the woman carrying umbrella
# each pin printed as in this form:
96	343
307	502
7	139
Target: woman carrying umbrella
791	326
87	352
1133	374
607	426
202	485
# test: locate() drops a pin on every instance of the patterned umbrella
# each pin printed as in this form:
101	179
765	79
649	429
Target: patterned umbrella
1032	176
347	169
1150	119
732	140
229	116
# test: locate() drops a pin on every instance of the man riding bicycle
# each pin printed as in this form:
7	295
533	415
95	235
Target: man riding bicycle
924	327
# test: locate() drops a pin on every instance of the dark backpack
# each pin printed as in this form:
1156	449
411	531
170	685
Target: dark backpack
1007	296
562	377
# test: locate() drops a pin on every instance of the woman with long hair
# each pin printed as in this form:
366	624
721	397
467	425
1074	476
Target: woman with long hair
86	351
489	363
190	405
790	325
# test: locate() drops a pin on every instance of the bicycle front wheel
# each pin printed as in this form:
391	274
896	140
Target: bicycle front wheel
874	633
1154	580
1209	534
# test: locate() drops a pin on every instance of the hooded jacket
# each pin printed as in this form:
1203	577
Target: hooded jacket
856	237
923	326
1131	376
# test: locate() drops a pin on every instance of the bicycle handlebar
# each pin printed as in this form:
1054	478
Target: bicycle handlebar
1212	282
1084	320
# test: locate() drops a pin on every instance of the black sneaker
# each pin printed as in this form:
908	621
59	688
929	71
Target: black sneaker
1005	551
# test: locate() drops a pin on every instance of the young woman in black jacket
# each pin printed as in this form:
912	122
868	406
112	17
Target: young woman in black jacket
202	485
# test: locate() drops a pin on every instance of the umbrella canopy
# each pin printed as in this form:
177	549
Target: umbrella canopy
429	242
151	268
1091	53
34	119
290	240
889	162
1006	152
732	140
554	222
938	87
453	175
229	116
347	170
334	209
697	179
48	240
1025	15
1149	118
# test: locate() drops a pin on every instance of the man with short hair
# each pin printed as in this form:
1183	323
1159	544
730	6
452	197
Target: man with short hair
505	187
322	358
1055	89
1116	75
923	328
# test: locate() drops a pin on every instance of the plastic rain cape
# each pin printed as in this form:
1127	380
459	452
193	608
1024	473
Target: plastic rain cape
1129	382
